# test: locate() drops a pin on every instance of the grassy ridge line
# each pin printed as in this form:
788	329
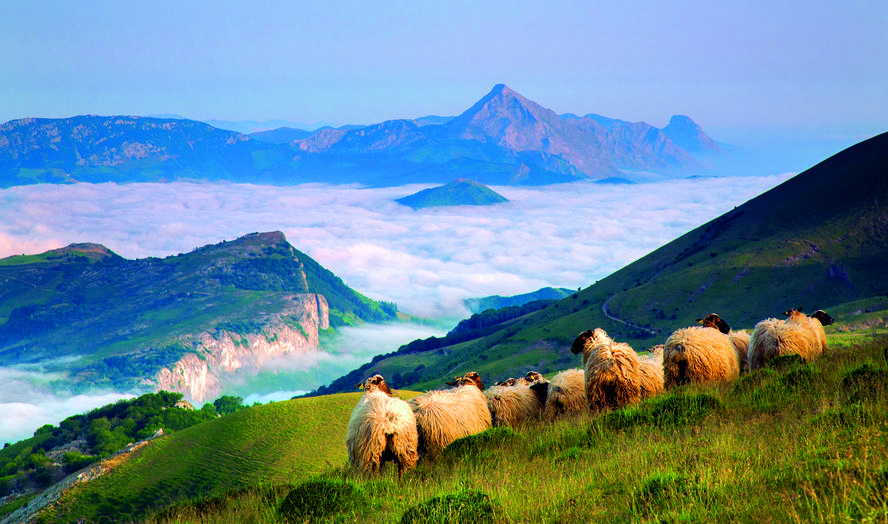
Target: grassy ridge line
281	442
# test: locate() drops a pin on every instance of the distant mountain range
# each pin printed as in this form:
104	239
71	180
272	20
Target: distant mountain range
460	192
819	241
183	323
502	139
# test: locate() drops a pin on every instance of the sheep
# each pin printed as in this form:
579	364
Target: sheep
381	429
739	339
698	354
512	405
611	372
799	335
567	394
443	416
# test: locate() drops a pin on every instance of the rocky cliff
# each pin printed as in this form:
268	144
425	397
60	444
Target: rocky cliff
223	355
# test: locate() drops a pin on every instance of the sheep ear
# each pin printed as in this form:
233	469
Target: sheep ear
452	383
700	320
360	386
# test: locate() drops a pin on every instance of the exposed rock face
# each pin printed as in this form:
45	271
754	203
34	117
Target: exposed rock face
201	376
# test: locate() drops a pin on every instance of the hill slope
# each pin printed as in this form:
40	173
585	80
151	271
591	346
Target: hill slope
109	321
819	240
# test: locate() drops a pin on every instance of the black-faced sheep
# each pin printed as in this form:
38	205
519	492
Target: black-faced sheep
512	405
443	416
699	354
739	339
611	372
567	394
381	429
797	335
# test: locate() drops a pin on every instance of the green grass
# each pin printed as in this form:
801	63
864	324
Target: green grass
794	442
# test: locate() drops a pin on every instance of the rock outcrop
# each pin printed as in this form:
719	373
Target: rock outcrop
201	375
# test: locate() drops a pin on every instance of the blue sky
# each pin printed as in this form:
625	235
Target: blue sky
819	64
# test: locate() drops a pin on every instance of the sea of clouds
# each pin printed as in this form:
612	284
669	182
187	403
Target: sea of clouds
426	261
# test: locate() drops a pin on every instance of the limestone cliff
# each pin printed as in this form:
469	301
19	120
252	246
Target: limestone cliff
201	375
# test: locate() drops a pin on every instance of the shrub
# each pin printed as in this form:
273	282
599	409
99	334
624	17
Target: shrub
468	506
319	498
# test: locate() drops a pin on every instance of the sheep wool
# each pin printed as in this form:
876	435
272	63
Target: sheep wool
381	429
443	416
698	354
567	394
797	335
738	339
610	370
512	405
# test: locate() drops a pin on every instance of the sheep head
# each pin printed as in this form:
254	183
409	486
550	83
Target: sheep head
471	377
375	383
712	320
596	336
531	377
795	314
822	317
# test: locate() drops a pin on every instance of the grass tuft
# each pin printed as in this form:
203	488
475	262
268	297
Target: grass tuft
469	505
319	498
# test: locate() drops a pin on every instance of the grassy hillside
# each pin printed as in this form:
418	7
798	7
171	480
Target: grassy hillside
794	442
819	241
278	443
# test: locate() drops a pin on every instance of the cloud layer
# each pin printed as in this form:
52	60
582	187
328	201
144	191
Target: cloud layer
427	261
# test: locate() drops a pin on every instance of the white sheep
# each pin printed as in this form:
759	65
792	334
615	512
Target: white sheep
797	335
381	429
566	395
738	339
698	354
611	371
512	405
443	416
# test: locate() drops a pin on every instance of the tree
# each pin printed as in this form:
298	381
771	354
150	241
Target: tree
226	404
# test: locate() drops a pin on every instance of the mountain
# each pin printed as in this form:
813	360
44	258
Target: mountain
280	135
689	136
503	139
133	149
182	323
460	192
477	305
819	241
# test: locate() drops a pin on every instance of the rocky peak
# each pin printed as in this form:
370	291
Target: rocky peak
688	135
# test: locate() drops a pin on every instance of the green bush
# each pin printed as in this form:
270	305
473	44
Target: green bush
319	498
468	506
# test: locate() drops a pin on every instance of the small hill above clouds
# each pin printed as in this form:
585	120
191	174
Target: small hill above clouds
461	192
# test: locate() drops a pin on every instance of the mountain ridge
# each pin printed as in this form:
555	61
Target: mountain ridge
181	323
504	138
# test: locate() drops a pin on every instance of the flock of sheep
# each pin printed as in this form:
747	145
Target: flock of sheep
385	429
